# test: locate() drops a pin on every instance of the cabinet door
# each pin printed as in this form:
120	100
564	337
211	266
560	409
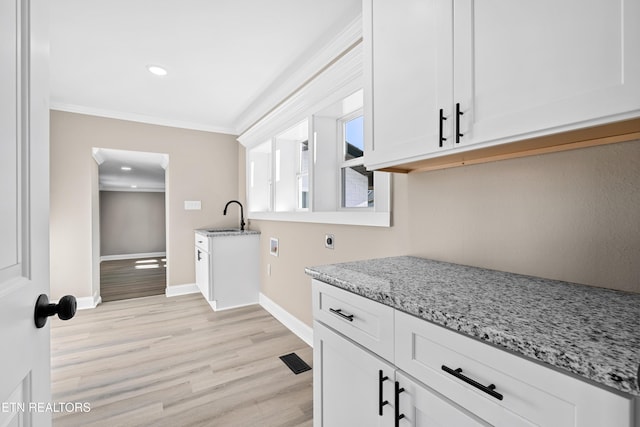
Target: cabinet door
409	48
202	272
346	383
524	69
422	407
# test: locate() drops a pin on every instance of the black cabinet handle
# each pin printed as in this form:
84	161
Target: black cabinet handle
199	253
489	389
458	114
398	416
381	378
339	312
442	119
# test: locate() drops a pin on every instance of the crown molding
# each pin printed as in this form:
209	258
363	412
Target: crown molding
140	118
338	81
298	74
132	190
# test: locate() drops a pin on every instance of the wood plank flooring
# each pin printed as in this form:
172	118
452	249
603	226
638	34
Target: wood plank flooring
160	361
132	278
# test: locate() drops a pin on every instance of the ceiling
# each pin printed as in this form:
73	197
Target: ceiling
221	55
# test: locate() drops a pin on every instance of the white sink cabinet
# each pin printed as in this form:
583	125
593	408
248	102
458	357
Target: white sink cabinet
226	267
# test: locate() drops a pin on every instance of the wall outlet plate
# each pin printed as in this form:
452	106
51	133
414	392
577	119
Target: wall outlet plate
329	241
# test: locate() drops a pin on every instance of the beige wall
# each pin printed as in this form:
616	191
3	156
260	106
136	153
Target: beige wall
131	222
202	166
571	216
302	244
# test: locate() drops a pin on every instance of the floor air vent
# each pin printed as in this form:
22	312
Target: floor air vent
294	363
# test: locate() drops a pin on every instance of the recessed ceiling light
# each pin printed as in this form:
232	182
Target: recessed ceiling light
125	168
157	70
134	186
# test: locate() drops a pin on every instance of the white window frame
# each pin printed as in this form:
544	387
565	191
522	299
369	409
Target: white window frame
333	85
342	163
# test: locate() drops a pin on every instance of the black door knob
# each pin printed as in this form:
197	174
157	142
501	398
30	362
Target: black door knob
65	309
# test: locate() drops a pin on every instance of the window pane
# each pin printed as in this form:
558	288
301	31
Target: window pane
289	155
260	178
303	175
354	138
303	192
357	187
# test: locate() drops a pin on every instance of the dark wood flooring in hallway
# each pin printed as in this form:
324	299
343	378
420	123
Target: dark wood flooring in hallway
132	278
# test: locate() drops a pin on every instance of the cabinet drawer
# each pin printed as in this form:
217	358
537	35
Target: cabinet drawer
366	322
531	394
202	242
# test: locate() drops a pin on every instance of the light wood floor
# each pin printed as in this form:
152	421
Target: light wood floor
123	279
159	361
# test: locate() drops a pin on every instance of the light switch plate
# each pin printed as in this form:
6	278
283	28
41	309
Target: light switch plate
192	205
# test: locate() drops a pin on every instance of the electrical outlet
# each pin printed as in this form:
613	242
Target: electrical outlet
329	241
268	269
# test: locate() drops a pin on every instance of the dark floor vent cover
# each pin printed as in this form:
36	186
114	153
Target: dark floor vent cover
294	363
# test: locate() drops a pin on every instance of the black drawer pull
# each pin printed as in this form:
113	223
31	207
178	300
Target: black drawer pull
458	114
381	378
339	312
398	416
442	119
489	389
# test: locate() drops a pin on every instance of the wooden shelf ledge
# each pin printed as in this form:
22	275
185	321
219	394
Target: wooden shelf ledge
612	133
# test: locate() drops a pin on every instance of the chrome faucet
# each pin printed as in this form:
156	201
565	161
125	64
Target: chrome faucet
241	212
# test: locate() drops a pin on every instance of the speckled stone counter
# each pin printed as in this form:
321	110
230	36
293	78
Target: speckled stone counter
216	232
592	332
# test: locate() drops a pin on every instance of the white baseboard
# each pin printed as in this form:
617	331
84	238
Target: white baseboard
215	307
133	256
176	290
85	303
301	329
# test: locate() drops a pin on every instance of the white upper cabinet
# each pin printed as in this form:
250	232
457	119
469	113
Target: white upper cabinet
409	44
515	70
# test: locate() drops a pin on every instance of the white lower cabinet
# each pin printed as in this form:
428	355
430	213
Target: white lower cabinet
438	377
420	406
502	388
226	268
346	382
354	387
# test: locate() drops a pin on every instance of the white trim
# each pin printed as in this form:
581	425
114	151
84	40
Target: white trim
177	290
297	74
133	256
346	217
133	190
140	118
301	329
214	306
85	303
338	81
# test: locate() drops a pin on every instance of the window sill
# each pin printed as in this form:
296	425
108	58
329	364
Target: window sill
371	219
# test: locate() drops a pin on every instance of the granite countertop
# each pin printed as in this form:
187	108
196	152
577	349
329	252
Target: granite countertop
217	232
591	332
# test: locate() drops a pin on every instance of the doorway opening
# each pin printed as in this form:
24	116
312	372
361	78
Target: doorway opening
131	213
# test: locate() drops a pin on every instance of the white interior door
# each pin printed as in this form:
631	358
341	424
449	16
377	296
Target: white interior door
24	212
